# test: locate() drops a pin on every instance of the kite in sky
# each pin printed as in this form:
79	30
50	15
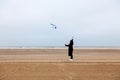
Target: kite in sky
54	26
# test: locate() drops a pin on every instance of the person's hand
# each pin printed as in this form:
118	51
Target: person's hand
65	44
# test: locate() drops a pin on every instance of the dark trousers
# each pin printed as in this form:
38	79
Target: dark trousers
70	53
71	56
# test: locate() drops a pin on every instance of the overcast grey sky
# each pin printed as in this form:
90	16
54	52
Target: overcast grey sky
91	22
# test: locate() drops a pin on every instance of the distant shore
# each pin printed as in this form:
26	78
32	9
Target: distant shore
59	47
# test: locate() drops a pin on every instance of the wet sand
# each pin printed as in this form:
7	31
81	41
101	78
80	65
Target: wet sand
53	64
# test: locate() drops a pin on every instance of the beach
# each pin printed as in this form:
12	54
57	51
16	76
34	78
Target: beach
53	64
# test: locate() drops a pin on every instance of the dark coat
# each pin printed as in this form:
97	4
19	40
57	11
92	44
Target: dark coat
70	48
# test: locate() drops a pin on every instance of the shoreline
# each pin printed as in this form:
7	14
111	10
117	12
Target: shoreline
54	48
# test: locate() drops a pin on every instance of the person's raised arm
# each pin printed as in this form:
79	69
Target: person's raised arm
66	45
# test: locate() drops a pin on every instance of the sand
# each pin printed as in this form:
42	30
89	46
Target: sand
53	64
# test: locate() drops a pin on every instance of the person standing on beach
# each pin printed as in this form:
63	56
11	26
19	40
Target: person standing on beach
70	49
